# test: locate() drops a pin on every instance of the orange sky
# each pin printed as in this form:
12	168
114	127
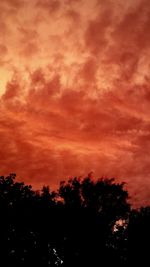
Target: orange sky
74	91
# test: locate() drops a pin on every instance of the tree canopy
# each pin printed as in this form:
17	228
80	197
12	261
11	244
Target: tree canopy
82	223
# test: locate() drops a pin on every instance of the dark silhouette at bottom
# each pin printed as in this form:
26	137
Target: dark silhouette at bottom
83	223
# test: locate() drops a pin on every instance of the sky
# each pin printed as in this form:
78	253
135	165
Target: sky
75	91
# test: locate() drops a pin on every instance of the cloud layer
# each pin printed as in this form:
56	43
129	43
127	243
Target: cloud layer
75	91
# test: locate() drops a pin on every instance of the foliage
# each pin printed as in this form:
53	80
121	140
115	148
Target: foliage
85	222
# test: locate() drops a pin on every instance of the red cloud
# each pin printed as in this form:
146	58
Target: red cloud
50	6
80	99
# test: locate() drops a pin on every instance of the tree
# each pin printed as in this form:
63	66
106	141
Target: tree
90	212
70	227
139	237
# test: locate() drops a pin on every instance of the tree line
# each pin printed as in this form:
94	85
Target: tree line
82	223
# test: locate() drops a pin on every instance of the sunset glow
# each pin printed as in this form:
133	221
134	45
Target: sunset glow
75	91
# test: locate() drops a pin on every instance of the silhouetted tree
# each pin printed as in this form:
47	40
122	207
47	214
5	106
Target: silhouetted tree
85	222
90	212
139	237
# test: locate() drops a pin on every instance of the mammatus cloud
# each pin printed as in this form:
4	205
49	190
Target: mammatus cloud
75	91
